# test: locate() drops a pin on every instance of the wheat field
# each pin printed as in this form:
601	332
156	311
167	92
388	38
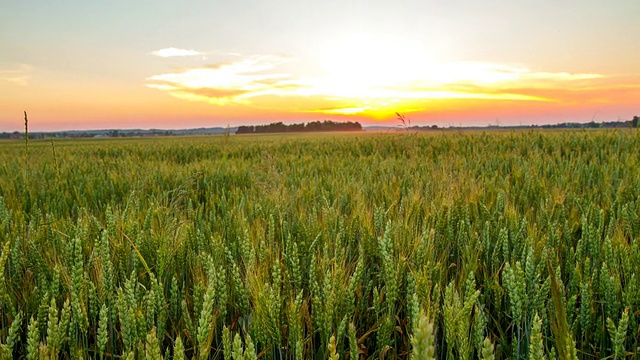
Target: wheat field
437	245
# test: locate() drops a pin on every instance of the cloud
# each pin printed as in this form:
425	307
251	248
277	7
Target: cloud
563	76
19	75
174	52
488	75
262	82
225	82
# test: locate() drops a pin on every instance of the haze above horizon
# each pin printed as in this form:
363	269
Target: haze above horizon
164	64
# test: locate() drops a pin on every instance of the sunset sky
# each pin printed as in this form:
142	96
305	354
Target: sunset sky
181	64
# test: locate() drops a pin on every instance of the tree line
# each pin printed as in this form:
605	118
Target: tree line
313	126
605	124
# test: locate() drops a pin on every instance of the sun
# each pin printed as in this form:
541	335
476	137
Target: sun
377	76
367	72
366	62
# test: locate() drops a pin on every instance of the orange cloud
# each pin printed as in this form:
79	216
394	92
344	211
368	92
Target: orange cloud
262	82
223	83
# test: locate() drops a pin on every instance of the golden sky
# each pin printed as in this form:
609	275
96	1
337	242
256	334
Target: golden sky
162	64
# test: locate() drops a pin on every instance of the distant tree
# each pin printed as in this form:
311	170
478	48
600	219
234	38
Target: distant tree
245	130
313	126
635	121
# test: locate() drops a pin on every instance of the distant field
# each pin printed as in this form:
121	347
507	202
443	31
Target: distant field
450	245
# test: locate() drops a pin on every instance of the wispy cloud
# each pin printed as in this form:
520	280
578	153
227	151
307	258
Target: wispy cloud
486	76
225	82
562	76
261	82
17	75
175	52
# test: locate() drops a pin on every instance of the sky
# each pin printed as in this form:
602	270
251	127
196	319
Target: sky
78	64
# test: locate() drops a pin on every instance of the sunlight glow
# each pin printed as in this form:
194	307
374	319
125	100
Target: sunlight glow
372	61
361	75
